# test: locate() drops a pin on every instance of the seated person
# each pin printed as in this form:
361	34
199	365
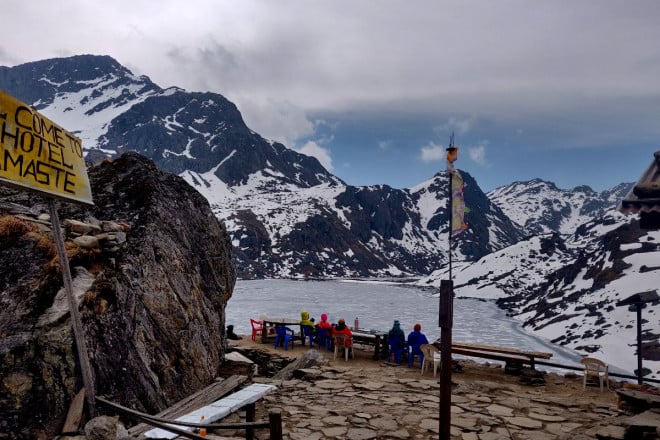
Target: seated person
396	332
324	322
342	329
397	341
323	330
415	339
231	334
306	327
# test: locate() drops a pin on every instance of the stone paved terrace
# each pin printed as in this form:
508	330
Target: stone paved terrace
367	399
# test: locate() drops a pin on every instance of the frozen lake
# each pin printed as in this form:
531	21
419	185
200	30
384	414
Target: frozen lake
377	305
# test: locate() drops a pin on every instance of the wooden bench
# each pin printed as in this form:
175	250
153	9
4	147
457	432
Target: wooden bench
510	356
213	392
219	409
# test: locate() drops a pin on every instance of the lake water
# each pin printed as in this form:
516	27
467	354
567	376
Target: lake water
377	305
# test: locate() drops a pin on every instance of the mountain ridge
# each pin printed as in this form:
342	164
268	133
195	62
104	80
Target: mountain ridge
203	137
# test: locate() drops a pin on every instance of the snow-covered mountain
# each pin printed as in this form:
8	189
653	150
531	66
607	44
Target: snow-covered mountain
540	207
287	215
558	260
565	288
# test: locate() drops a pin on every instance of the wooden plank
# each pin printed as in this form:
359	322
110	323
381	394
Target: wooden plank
74	416
496	349
216	410
199	399
495	356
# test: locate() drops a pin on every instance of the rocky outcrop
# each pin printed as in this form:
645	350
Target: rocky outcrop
152	273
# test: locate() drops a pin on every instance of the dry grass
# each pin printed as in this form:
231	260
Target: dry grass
12	227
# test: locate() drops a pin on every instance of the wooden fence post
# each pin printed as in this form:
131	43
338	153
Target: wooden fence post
275	421
250	411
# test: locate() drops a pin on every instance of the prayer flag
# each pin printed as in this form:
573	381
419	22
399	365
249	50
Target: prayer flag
458	203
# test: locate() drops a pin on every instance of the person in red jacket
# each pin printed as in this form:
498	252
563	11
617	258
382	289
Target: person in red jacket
342	329
324	322
324	332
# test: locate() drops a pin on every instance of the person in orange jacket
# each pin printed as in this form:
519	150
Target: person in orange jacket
342	329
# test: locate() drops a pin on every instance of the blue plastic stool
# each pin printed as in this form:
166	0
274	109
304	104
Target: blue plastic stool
284	336
308	332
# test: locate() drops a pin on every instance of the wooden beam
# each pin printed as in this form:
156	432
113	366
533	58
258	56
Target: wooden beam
507	350
495	356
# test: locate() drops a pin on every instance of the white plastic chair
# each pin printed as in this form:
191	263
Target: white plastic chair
431	357
340	342
597	370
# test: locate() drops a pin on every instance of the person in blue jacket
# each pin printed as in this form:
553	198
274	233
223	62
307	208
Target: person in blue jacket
415	339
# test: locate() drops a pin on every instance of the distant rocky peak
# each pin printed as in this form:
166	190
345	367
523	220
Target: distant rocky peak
541	207
583	189
39	83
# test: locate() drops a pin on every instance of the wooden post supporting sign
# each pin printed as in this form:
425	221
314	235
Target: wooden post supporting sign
81	346
40	156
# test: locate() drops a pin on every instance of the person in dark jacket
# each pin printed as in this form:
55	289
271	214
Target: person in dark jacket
396	332
397	342
231	334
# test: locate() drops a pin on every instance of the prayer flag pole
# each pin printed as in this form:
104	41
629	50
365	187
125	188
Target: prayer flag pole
452	156
447	311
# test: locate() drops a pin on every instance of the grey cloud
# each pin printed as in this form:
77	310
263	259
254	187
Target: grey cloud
575	71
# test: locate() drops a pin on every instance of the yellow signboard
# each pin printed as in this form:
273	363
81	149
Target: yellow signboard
37	154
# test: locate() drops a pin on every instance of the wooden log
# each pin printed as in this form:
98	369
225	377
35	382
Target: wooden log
311	357
74	416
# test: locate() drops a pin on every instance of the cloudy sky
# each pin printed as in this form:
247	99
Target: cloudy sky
563	90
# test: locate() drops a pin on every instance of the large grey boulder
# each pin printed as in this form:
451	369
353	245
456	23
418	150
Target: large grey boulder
151	294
